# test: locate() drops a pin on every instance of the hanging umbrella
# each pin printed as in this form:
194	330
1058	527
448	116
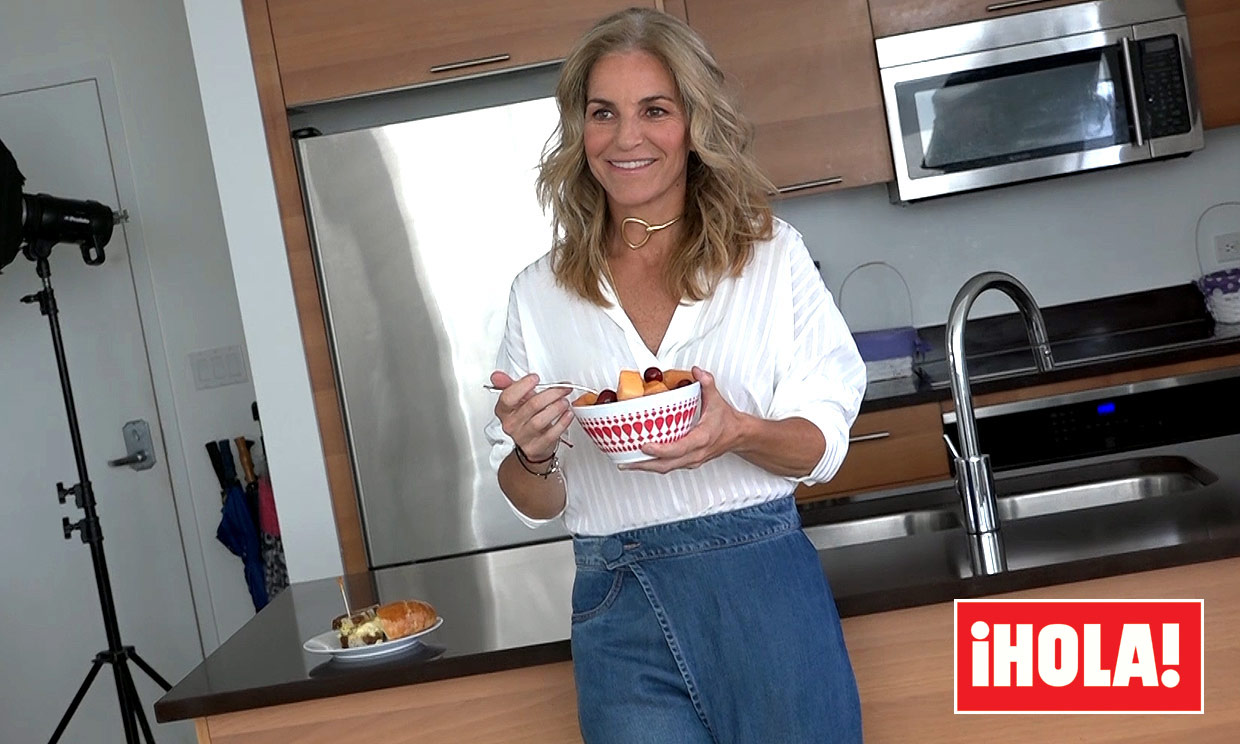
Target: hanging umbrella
262	503
237	530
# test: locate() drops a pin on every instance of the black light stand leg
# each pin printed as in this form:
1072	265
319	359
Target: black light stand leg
147	668
117	654
95	666
121	673
136	705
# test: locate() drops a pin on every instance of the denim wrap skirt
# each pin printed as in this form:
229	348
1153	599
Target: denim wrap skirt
718	629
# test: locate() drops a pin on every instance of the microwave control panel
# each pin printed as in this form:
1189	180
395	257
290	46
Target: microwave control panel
1162	80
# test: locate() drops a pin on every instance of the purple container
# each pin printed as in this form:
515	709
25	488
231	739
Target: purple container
889	343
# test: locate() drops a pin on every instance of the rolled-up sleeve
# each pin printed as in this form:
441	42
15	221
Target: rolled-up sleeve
513	358
821	377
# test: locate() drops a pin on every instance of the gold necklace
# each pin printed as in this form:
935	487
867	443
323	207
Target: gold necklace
649	228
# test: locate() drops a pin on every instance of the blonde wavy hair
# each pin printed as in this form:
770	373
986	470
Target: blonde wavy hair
726	202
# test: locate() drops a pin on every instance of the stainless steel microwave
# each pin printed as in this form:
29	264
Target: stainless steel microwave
1038	94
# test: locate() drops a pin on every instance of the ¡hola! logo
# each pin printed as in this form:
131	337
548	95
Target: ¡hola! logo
1080	656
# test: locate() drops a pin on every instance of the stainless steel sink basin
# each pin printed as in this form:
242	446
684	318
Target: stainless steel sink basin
867	519
1100	493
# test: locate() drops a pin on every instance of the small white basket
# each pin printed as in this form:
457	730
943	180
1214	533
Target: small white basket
1219	282
1222	293
888	352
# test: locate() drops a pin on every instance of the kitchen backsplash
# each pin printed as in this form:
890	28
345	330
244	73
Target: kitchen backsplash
1075	238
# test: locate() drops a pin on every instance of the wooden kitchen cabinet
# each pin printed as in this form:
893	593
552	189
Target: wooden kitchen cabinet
892	17
1214	32
331	49
900	446
808	80
903	663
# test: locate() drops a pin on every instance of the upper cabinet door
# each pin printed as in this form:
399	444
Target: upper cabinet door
331	49
808	79
892	17
1214	32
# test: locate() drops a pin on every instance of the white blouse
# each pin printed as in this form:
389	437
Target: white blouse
773	339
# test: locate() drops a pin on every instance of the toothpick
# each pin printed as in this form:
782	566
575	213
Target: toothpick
347	611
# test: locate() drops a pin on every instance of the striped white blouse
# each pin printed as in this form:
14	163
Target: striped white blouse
773	339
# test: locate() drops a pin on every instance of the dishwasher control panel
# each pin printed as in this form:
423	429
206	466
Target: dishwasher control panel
1090	423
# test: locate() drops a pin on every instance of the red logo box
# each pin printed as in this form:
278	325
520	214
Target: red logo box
1080	656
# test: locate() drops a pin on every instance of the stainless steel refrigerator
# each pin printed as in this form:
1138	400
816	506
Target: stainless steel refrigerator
418	229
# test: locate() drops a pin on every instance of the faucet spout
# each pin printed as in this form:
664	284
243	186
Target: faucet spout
974	475
1035	327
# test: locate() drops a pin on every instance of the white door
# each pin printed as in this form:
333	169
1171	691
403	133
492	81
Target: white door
51	623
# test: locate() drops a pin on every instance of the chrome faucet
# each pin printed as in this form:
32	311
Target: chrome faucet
974	477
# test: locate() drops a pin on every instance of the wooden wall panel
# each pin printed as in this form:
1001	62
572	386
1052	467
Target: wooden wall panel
1214	31
305	286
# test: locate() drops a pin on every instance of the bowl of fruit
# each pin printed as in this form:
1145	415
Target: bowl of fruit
654	407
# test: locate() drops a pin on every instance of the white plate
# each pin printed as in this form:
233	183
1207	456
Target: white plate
328	643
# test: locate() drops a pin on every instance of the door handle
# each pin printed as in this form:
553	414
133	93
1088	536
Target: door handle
996	7
136	458
140	454
832	181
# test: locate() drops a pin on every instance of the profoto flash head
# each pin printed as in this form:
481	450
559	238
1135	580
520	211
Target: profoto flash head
49	220
33	224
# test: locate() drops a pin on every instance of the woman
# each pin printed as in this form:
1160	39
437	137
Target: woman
700	611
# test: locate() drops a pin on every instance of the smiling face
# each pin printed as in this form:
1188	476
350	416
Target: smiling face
636	136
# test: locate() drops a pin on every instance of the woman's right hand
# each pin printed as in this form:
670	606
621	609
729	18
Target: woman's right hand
535	421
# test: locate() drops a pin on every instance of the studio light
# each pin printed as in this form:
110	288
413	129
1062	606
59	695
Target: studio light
32	224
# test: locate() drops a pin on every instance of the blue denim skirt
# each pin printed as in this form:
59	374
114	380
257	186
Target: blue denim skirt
720	629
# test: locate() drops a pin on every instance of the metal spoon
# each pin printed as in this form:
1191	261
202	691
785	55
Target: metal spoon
548	385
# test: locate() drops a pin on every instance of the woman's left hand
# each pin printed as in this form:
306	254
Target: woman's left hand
717	433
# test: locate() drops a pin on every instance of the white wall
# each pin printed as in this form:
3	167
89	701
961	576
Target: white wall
1079	237
188	300
264	290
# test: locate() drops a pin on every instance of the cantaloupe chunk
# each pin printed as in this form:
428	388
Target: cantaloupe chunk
631	385
586	399
654	386
673	377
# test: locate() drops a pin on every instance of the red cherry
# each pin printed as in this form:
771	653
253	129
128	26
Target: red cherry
683	383
607	396
653	374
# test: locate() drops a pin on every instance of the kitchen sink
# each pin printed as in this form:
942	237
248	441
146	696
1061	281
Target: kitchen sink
867	519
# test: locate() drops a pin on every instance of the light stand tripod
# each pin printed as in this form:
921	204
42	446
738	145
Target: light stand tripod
132	715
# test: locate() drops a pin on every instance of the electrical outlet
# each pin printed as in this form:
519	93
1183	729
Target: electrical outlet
1228	246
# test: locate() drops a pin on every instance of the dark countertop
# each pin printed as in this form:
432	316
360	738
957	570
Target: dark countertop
510	608
1094	337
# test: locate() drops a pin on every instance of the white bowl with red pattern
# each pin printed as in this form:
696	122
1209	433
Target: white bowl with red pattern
622	428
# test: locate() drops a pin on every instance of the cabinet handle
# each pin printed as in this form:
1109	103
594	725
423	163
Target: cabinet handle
996	7
809	185
869	437
471	63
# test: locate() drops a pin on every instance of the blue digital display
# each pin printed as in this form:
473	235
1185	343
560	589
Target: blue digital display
1105	408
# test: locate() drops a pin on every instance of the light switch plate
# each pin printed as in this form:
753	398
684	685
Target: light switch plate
218	367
